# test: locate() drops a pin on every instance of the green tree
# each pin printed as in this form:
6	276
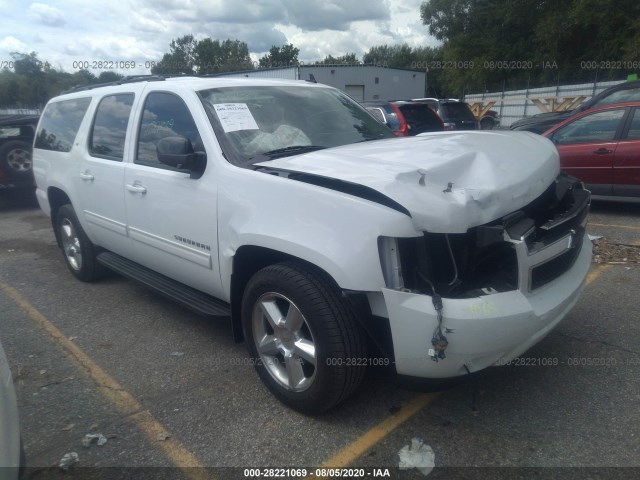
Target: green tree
483	33
84	77
33	82
108	76
30	78
189	56
346	59
518	43
213	56
9	89
590	32
27	64
393	56
427	59
180	59
284	56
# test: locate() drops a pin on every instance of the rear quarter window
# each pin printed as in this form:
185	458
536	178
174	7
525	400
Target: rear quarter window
378	113
60	123
458	111
392	120
421	118
9	132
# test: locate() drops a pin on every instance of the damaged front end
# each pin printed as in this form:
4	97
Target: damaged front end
485	295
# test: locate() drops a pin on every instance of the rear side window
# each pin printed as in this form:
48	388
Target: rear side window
592	128
60	123
109	128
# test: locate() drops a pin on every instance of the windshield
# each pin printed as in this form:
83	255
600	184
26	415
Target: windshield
259	123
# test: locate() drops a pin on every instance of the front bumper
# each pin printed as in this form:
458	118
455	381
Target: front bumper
484	330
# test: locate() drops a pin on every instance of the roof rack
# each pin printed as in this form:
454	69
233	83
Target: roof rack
124	80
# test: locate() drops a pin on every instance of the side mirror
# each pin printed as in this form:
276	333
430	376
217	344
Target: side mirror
177	152
198	164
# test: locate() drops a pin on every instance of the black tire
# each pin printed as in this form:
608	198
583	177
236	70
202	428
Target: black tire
328	323
487	123
79	253
15	159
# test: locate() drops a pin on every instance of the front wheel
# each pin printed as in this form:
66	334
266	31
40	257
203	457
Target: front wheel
79	252
305	341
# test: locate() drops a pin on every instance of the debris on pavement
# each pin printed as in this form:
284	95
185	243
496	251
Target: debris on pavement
615	253
163	437
68	428
594	237
90	438
68	460
417	455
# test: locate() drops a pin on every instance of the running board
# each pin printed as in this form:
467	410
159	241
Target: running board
176	291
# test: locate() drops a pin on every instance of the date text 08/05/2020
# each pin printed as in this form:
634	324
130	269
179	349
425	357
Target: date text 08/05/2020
316	472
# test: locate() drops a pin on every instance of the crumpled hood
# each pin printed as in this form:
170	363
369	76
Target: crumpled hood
450	181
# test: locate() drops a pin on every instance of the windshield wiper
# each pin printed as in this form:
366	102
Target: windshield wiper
292	150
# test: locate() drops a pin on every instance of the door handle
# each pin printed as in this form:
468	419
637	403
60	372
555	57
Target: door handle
136	188
86	176
602	151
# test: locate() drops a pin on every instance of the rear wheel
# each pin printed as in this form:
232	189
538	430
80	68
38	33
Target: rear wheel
487	123
79	252
15	159
305	341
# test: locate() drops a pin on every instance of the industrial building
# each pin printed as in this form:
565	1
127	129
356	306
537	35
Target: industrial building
362	82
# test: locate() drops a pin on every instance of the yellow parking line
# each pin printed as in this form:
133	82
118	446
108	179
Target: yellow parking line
171	447
356	448
113	391
630	227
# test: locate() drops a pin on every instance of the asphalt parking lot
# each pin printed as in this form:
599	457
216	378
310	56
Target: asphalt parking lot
175	397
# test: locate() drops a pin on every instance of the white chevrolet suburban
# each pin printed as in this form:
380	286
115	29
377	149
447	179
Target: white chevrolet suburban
286	207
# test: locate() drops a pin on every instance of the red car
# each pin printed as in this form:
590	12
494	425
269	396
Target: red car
601	147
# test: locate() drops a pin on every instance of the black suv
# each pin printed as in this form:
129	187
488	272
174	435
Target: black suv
16	141
406	118
540	123
455	115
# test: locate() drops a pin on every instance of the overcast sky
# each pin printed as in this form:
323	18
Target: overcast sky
67	31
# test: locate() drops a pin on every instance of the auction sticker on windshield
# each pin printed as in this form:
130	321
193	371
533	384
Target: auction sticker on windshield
235	116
